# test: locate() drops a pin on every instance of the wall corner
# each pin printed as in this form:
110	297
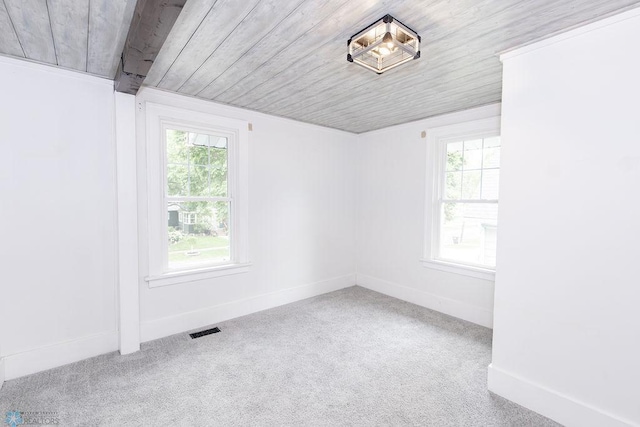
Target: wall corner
1	372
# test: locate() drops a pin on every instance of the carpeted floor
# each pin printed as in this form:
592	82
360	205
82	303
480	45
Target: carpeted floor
349	358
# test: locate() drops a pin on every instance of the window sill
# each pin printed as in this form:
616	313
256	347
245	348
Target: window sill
178	277
465	270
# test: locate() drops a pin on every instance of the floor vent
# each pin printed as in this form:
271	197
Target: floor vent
205	332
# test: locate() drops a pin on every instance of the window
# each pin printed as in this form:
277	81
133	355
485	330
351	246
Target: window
462	204
196	171
187	218
197	195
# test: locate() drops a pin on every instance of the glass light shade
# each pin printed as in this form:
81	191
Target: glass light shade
384	45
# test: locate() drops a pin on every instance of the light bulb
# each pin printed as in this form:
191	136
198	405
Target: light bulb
384	51
388	40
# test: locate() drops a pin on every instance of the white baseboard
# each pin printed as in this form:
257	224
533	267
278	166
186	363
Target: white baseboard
561	408
40	359
196	319
444	305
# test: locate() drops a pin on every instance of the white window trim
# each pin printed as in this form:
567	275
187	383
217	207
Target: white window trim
179	277
436	138
157	117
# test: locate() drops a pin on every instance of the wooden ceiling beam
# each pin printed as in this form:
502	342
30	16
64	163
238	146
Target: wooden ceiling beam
151	24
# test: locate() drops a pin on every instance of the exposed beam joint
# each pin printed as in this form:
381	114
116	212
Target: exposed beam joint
152	21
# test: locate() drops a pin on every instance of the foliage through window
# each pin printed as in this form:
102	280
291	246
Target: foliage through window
468	202
197	196
197	192
462	197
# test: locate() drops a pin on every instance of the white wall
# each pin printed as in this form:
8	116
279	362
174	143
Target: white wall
567	329
301	224
59	221
57	217
392	167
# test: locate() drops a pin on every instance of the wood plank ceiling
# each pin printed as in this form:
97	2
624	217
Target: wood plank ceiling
288	57
81	35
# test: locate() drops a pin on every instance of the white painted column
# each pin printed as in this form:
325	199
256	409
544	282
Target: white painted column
129	296
566	331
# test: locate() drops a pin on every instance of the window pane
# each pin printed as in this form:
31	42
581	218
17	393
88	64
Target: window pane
218	158
490	184
177	180
453	185
471	184
454	156
199	181
198	234
196	164
468	233
177	147
198	154
494	141
472	154
491	157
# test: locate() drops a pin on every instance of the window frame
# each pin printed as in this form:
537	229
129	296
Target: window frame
437	140
232	148
158	119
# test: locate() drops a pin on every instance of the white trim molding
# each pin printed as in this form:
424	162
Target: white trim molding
465	270
188	102
550	403
48	357
570	33
128	289
179	277
183	322
459	309
56	70
466	115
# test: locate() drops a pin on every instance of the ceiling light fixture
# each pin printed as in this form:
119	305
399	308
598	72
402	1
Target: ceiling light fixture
384	45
